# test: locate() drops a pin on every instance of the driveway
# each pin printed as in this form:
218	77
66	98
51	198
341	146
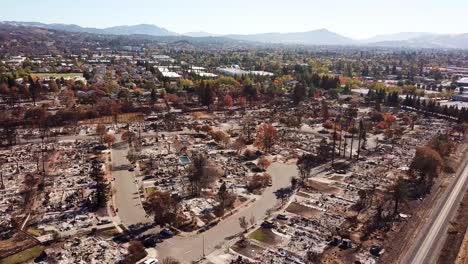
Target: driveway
191	248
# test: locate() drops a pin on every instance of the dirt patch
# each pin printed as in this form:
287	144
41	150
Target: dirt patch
323	187
302	210
247	249
462	257
303	194
203	115
455	234
122	118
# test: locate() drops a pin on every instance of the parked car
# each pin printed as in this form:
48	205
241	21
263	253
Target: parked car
267	224
282	217
345	244
166	233
151	261
104	222
151	241
122	238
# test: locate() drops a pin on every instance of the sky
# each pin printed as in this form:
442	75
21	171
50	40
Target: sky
351	18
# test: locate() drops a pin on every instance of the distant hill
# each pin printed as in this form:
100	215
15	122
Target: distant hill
144	29
200	34
314	37
402	36
432	41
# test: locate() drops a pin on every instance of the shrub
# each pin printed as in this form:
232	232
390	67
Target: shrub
258	181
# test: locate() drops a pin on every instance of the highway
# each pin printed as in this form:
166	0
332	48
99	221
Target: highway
428	243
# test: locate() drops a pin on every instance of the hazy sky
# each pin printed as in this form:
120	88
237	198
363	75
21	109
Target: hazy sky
352	18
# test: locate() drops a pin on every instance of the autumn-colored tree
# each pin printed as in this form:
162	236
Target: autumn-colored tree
173	98
220	137
228	101
266	137
264	162
136	251
163	206
258	181
389	118
328	124
241	101
382	125
109	139
426	166
248	153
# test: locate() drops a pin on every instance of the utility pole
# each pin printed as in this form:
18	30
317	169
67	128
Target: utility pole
352	141
2	186
203	246
361	127
334	145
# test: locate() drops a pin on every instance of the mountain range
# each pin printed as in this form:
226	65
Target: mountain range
314	37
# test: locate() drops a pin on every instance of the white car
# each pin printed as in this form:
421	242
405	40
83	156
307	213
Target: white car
151	261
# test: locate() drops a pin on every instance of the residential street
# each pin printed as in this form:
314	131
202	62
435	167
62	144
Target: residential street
191	248
127	200
427	245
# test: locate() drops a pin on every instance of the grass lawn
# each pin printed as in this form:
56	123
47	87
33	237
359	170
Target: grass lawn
36	232
56	75
24	255
265	236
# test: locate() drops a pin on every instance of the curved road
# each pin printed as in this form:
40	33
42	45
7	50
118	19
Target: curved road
187	249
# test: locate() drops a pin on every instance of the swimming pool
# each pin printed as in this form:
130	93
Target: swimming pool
184	160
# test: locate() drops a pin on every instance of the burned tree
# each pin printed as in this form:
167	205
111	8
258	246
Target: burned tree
163	207
305	163
100	194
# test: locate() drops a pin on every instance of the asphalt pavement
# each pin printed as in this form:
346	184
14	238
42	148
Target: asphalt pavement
187	249
427	245
127	201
